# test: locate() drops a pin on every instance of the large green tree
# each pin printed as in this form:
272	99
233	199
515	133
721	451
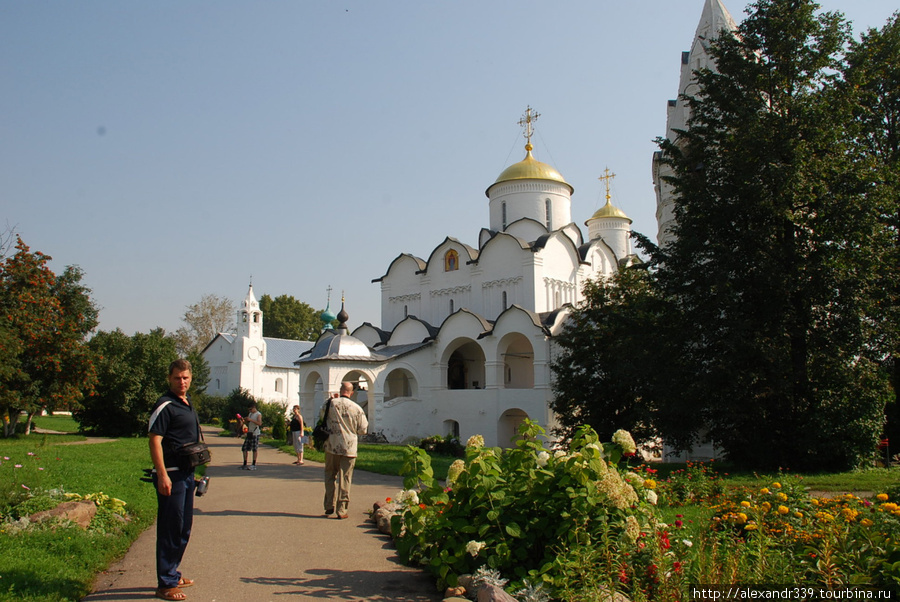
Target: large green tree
284	317
872	82
616	367
46	319
132	374
773	258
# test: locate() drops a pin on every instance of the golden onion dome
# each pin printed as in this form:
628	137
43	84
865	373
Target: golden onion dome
531	169
609	210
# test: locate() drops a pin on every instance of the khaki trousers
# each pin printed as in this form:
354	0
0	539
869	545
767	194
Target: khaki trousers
338	474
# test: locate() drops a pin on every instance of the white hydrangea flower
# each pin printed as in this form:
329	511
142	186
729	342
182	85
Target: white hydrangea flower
651	496
409	497
560	453
593	446
473	547
475	441
623	439
542	459
687	542
455	470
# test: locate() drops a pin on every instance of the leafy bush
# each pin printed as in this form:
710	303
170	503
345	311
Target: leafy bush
279	426
210	408
516	510
448	446
696	483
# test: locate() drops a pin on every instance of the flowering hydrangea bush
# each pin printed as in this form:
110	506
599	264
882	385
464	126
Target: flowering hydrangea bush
515	510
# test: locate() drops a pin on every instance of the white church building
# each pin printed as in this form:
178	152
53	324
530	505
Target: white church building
465	343
264	366
466	336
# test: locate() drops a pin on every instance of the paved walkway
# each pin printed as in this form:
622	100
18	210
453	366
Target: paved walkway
262	536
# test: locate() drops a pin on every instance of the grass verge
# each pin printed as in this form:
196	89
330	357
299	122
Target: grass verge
41	563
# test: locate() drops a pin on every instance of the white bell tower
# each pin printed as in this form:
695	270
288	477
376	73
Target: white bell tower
250	347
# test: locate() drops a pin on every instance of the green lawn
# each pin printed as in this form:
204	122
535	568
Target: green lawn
61	423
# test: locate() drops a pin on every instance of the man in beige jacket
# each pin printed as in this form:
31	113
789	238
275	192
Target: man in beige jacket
346	421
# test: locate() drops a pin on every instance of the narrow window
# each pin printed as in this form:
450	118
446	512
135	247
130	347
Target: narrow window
504	299
405	311
451	306
548	215
503	208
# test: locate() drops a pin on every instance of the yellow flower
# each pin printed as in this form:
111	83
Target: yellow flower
766	506
849	514
814	501
650	484
781	496
751	527
745	504
882	497
798	514
890	506
741	518
776	485
783	510
764	490
866	522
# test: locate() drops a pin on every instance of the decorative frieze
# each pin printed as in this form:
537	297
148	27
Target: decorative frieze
404	298
502	282
452	290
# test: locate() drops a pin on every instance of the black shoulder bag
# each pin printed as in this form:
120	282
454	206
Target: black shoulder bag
320	433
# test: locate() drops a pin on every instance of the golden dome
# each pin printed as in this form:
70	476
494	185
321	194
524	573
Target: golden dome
608	210
531	169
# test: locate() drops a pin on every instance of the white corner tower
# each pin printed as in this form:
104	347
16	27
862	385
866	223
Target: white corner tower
714	20
530	189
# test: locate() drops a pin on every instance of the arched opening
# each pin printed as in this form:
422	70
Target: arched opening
451	428
508	427
465	367
517	355
360	388
279	385
400	383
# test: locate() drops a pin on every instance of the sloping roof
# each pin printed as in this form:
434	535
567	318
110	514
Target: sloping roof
281	353
342	347
229	338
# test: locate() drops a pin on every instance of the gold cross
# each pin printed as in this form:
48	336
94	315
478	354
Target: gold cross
526	122
606	178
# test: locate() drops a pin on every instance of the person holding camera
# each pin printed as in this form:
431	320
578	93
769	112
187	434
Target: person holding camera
251	441
173	424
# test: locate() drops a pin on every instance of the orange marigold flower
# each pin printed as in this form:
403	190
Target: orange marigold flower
882	497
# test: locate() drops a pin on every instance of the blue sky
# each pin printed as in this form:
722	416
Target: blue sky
174	149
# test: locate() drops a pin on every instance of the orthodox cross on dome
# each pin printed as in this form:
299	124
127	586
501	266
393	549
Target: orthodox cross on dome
606	178
328	290
526	122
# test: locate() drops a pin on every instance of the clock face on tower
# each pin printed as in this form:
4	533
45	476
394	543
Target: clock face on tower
253	353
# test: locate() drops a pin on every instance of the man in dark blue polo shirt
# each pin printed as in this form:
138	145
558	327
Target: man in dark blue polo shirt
173	423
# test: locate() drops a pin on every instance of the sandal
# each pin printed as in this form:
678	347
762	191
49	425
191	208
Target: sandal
170	593
185	582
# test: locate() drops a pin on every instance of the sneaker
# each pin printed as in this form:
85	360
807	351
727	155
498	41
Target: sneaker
245	467
252	467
